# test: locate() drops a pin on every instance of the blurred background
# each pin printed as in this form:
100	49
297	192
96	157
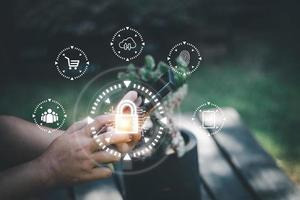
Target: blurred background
250	51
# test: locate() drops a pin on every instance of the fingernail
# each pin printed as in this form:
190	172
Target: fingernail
117	158
130	137
109	171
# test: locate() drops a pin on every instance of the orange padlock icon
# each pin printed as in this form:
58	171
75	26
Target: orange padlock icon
126	118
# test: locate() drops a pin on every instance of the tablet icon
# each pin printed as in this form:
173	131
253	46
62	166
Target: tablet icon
208	118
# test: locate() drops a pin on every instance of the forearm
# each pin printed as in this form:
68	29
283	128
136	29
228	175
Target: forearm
21	141
25	180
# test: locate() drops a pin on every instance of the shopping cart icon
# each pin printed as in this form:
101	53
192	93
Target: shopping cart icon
73	64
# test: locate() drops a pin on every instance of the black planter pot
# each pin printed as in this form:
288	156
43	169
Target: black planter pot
174	178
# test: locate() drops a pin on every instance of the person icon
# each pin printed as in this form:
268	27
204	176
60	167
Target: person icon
55	116
49	116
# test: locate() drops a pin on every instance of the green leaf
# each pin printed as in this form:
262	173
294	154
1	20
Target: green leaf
163	67
149	62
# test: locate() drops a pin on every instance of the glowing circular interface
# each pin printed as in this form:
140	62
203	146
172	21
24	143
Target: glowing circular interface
127	43
209	116
71	63
108	100
49	115
188	53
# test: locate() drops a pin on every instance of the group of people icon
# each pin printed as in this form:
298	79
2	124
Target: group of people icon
49	116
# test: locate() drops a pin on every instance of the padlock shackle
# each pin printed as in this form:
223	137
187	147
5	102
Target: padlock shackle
128	103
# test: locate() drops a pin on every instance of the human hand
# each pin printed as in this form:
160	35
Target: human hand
126	147
74	157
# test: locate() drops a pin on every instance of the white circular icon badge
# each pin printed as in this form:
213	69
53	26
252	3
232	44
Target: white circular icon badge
186	51
72	63
127	43
209	116
49	115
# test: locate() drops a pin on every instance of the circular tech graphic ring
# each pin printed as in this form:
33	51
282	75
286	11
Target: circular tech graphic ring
188	53
127	43
210	116
72	63
106	101
49	113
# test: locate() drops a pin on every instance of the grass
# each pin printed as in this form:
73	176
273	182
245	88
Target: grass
267	104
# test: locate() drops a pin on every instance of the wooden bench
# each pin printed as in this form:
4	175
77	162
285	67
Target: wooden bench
232	166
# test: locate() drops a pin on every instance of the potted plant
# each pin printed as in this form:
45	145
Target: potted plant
175	174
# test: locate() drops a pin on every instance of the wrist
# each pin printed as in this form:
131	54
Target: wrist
45	172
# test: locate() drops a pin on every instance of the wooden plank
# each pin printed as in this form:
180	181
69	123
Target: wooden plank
215	170
254	164
204	194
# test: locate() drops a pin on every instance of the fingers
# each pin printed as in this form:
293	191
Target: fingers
77	126
126	147
113	138
98	173
104	157
123	148
123	142
138	101
131	95
93	146
85	142
108	138
136	137
99	122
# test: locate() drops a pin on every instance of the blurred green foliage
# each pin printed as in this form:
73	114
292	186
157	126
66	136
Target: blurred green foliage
151	73
267	104
84	17
266	94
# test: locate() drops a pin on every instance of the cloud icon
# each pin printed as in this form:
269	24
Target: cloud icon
127	44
